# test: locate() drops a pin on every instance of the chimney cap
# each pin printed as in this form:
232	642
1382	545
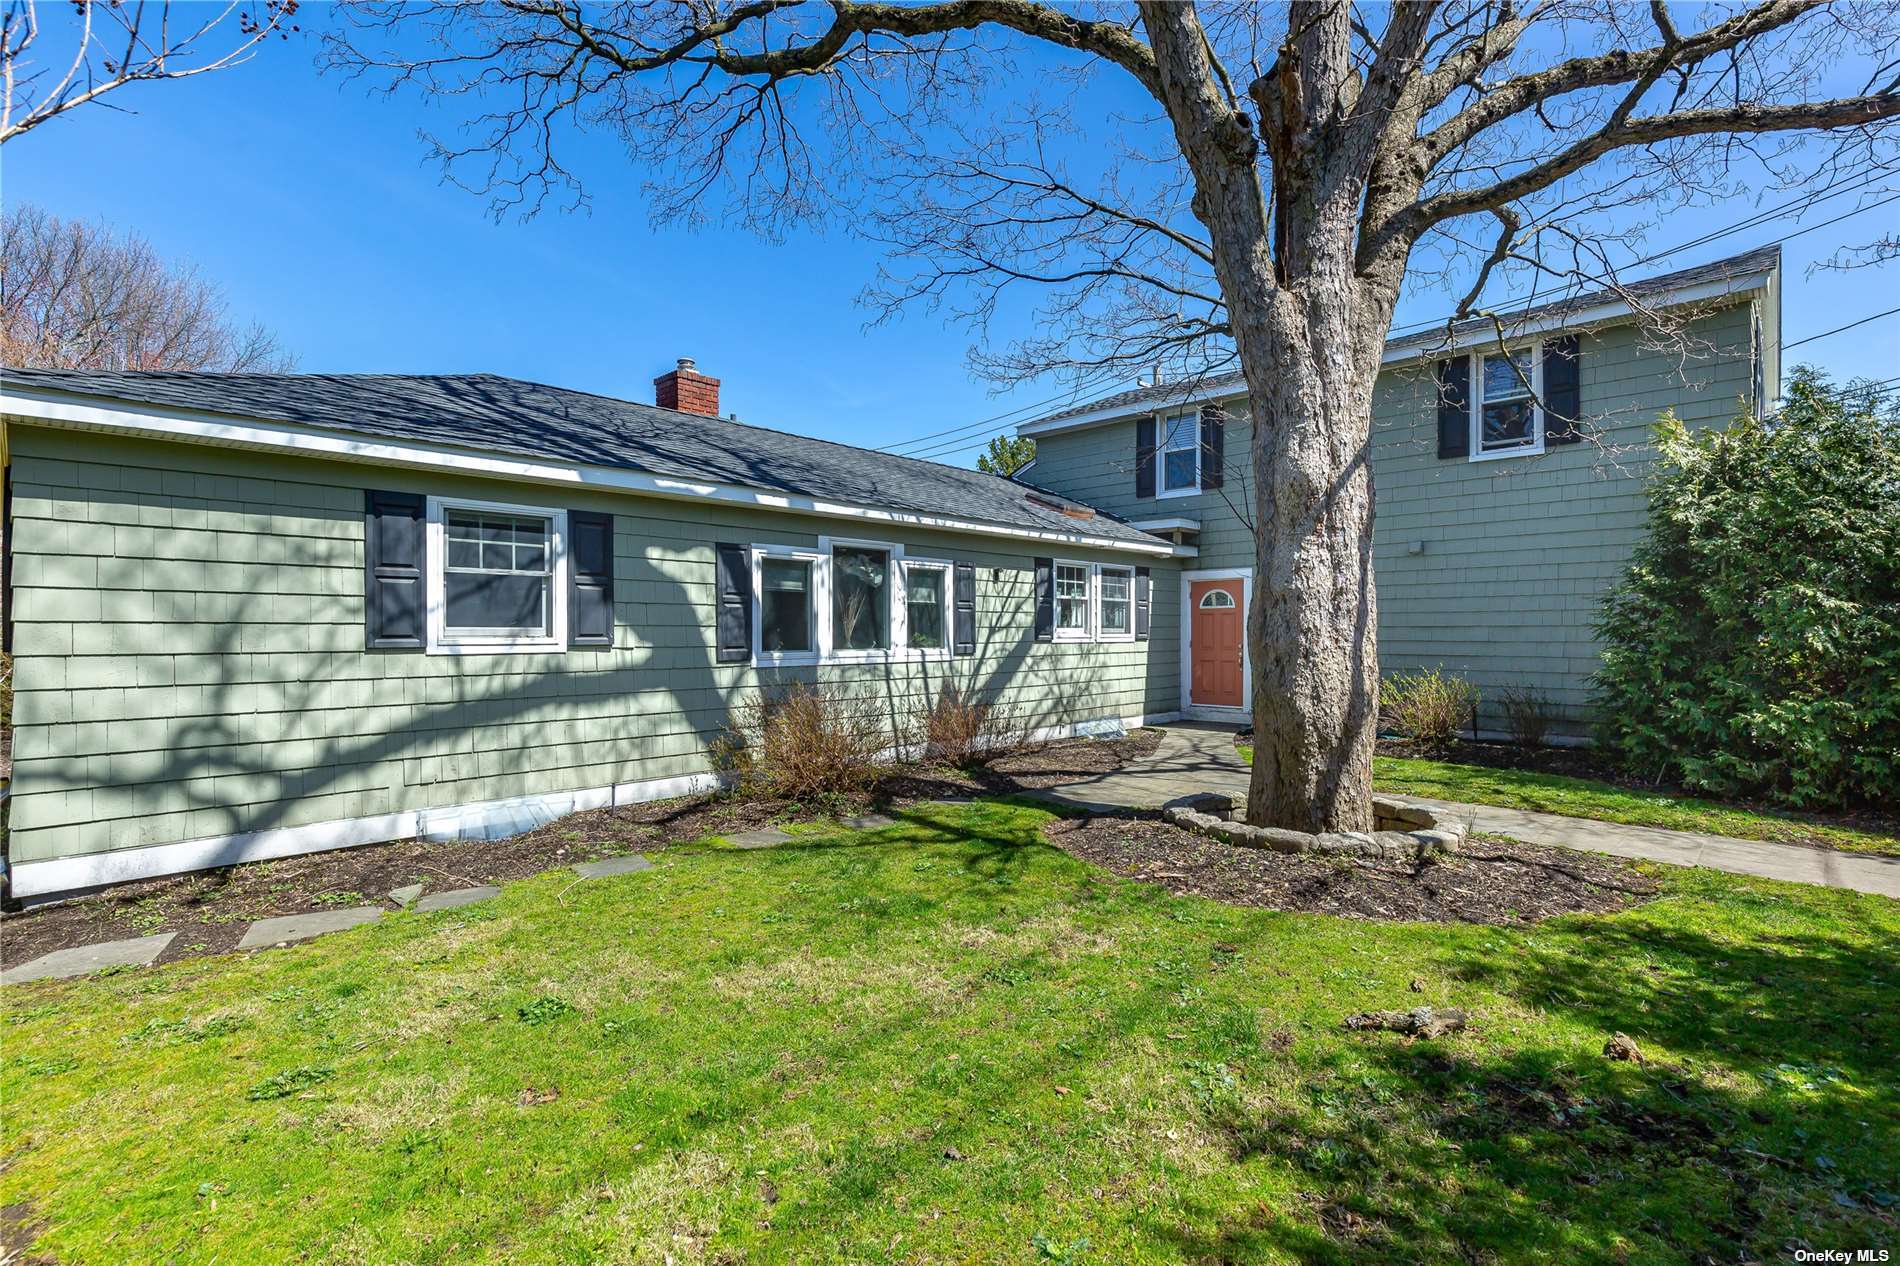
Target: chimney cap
687	363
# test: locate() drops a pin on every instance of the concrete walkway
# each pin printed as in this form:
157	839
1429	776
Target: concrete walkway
1200	757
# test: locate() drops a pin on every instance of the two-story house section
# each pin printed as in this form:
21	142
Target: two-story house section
1503	513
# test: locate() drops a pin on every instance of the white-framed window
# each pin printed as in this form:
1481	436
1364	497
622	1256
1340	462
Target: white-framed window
497	577
1072	593
926	607
1115	603
787	591
1178	456
860	623
1505	418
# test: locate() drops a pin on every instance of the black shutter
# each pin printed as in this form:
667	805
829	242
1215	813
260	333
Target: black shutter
1144	600
733	618
1045	599
1213	445
963	620
393	595
1144	457
590	571
1454	407
1562	394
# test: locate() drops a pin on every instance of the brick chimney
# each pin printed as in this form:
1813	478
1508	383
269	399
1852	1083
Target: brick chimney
687	390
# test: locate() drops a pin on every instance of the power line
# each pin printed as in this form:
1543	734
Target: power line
1837	329
976	434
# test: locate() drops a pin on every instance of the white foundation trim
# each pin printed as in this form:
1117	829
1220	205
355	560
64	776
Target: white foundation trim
50	408
1188	707
94	870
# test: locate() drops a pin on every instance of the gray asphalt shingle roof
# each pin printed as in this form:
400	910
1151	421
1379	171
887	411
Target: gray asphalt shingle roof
1746	264
492	414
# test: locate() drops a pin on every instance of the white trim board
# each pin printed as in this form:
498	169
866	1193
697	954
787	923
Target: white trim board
1209	712
1414	348
67	410
55	877
93	870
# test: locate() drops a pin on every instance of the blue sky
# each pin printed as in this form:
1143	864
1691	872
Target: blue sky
311	203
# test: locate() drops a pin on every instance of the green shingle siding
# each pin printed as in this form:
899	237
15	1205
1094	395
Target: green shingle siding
1517	551
190	662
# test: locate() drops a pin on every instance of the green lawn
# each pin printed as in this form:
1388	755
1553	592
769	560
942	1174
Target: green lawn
948	1041
1607	802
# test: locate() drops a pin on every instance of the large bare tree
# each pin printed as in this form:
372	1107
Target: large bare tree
1261	202
75	296
96	48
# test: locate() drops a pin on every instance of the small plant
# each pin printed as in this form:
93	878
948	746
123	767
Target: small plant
290	1082
543	1011
803	743
1429	707
337	899
963	730
1528	713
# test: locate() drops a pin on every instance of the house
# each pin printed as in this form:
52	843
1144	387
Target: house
1509	476
255	615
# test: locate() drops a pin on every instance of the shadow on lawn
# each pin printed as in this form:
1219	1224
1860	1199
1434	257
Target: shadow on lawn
1484	1148
1467	1150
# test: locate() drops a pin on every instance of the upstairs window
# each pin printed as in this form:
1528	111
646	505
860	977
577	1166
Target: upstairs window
1180	453
1504	408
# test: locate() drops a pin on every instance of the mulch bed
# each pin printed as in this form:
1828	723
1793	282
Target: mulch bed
211	909
1492	881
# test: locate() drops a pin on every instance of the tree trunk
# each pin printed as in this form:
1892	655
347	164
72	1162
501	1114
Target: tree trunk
1312	629
1309	327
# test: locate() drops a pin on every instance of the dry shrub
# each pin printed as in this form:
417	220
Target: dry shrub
802	743
1429	707
968	732
1528	714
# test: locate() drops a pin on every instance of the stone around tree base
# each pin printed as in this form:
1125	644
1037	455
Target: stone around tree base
1421	841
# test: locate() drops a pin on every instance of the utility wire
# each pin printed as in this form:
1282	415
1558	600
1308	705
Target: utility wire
953	439
1837	329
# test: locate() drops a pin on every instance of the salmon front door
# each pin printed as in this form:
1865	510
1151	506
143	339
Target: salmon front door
1216	632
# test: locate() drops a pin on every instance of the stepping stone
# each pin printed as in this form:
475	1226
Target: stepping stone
612	866
456	898
868	822
301	927
405	896
764	838
80	960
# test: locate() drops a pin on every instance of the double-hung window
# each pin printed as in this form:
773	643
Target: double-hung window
497	576
927	607
1180	454
1116	590
1072	602
788	611
1505	418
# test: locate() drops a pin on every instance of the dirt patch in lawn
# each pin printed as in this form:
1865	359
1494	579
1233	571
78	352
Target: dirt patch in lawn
210	910
1492	881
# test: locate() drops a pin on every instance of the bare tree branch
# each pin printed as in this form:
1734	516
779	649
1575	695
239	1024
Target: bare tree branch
142	49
